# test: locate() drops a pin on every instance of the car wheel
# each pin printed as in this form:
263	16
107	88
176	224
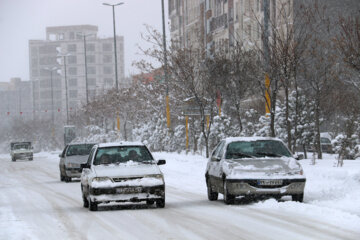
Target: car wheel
13	159
30	159
298	197
67	179
160	203
62	178
85	201
212	196
93	206
228	198
149	202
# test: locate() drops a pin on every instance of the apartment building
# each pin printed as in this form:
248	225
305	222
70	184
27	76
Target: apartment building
208	22
47	68
15	100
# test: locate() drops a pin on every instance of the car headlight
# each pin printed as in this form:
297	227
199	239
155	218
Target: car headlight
102	179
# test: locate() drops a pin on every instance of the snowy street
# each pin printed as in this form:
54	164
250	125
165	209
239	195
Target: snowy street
34	204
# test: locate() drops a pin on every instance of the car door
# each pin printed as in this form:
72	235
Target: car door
215	173
86	172
62	160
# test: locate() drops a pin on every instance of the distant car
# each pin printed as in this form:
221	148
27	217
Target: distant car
21	150
122	172
253	167
326	145
70	159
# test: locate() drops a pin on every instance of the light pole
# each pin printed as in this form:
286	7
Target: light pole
113	10
86	80
66	88
52	92
165	66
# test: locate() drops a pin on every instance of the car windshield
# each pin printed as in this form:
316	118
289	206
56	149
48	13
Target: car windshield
325	140
79	149
259	148
122	154
22	146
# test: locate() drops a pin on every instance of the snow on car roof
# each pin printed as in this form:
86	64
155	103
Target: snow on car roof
77	143
118	144
249	139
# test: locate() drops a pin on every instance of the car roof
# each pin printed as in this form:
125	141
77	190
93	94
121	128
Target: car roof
79	143
249	139
120	144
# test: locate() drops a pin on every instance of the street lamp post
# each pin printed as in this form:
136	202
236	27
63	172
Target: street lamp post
115	54
86	79
165	66
52	92
66	87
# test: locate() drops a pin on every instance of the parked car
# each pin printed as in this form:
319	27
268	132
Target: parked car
21	150
253	167
70	159
122	172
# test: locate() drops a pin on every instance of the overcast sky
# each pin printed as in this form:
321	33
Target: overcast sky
22	20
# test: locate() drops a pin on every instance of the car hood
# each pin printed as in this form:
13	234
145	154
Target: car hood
262	168
126	170
77	159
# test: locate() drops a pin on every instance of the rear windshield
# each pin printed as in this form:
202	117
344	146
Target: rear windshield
123	154
325	140
79	149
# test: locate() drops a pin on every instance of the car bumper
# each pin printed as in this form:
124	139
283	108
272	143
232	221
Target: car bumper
73	172
252	187
127	194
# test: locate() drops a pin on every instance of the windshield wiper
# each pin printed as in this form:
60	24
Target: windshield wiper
269	154
241	155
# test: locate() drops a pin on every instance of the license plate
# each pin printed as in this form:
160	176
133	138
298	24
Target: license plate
129	190
270	182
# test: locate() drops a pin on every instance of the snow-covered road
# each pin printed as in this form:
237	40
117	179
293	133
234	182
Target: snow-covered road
34	204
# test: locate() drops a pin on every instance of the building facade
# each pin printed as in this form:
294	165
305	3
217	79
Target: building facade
66	46
15	100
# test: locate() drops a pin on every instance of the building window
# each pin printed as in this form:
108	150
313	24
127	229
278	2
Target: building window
91	70
79	35
91	81
73	82
73	93
90	47
71	59
71	48
71	35
107	58
72	71
61	36
108	70
49	49
107	47
90	58
108	82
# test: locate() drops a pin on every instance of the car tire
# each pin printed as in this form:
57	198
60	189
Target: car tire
85	201
298	197
62	178
93	206
13	159
160	203
67	179
228	198
212	196
149	202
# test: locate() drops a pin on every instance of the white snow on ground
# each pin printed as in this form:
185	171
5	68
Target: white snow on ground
34	204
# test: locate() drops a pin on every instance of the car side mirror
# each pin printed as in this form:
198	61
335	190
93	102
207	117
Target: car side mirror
215	159
161	162
84	165
299	157
60	155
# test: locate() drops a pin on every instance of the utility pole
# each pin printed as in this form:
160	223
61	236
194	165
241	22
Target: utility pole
115	52
266	56
168	121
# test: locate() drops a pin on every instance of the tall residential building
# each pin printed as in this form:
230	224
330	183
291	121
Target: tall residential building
207	22
69	40
15	100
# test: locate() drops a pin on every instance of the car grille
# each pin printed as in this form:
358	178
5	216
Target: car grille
125	179
285	182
